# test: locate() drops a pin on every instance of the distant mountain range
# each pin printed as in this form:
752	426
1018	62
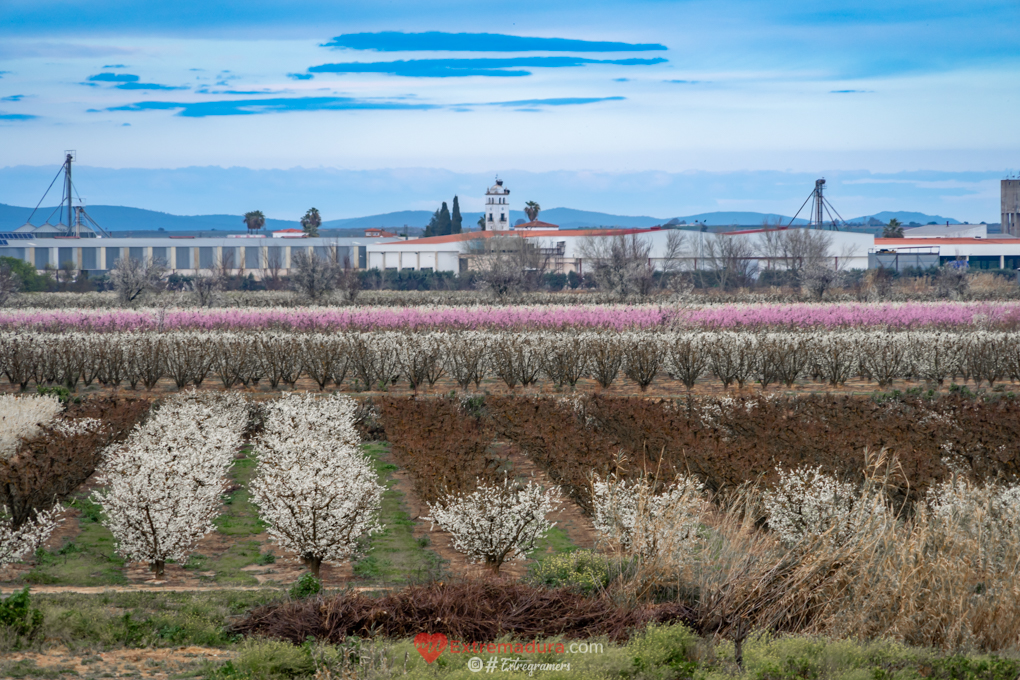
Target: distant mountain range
122	219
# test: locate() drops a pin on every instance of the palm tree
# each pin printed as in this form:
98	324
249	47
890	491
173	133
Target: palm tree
311	222
531	209
255	220
893	230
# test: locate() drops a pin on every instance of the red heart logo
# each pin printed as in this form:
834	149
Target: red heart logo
430	646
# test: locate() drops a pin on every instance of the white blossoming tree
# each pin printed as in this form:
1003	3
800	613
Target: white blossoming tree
497	523
163	485
314	487
808	503
15	543
631	517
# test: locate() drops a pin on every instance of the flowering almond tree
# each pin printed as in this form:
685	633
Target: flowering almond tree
15	543
163	485
498	523
314	488
631	517
808	503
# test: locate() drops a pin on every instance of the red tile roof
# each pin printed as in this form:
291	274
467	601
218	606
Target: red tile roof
945	241
467	236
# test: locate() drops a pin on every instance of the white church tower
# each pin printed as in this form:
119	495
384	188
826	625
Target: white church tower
497	207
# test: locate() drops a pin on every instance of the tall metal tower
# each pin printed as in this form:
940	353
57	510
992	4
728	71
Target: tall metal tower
77	217
69	157
820	208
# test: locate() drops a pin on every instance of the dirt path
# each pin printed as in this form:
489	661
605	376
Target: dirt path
151	664
661	387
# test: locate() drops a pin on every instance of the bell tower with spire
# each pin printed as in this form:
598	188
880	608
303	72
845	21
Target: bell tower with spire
497	207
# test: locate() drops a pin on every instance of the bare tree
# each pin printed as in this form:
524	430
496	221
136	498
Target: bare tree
506	266
952	280
619	263
274	267
10	284
674	263
67	273
207	285
312	275
226	263
133	278
731	258
807	255
348	282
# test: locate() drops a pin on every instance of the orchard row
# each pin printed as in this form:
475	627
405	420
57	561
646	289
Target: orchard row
375	360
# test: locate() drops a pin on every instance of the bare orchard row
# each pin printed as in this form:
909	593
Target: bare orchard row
373	360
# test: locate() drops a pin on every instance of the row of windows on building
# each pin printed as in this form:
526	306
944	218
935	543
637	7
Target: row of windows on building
182	256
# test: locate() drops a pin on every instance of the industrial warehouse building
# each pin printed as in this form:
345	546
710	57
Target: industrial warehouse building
249	254
54	246
457	253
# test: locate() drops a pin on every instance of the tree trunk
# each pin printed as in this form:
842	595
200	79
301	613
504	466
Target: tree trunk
157	567
313	564
493	565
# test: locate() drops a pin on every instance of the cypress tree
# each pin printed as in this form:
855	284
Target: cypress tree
433	227
455	218
445	224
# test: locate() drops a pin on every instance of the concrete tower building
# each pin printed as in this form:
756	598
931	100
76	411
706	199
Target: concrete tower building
1011	207
497	207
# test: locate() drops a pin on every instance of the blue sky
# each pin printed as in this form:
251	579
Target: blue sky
572	90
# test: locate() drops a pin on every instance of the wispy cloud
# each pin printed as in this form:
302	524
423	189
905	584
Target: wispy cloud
300	76
249	107
560	101
149	86
13	98
684	82
128	81
241	92
850	91
446	68
16	116
113	78
394	41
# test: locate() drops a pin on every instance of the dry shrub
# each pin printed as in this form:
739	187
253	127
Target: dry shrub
946	579
468	610
52	465
986	285
930	580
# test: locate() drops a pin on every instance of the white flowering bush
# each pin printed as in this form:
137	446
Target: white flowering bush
23	416
988	513
808	503
497	523
163	485
314	487
15	543
632	518
72	427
